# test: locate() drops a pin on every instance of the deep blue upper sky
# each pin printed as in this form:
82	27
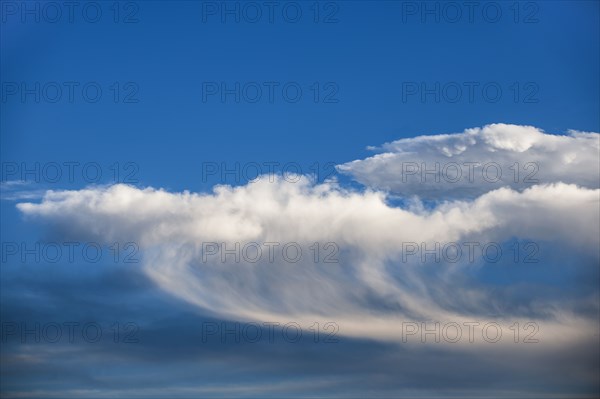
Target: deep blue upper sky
367	54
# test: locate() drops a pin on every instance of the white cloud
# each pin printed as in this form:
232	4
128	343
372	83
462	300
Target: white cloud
18	190
479	160
370	292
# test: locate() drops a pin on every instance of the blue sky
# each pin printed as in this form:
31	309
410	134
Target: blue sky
368	53
362	68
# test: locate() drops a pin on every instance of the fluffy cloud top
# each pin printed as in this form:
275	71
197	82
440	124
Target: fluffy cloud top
479	160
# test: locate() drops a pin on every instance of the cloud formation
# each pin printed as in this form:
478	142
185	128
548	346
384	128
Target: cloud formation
478	160
370	292
376	287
